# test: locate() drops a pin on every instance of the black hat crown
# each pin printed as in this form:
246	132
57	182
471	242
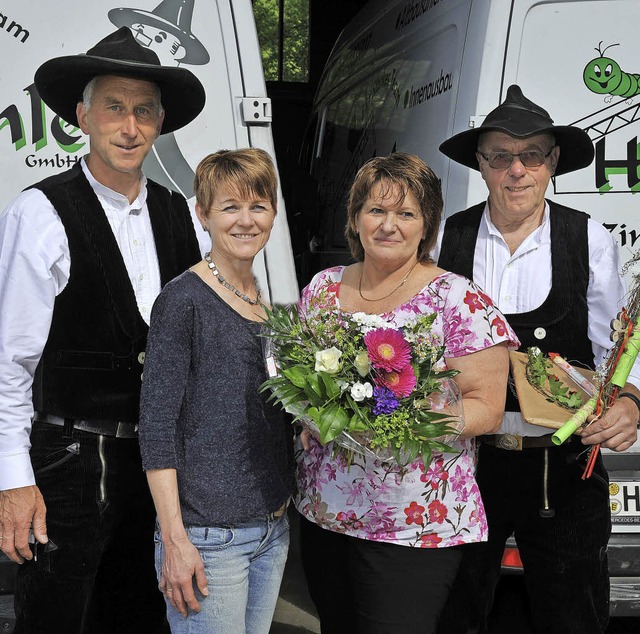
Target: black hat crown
61	81
520	118
121	45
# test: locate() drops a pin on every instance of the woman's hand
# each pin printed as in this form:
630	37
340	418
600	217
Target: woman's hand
305	435
182	562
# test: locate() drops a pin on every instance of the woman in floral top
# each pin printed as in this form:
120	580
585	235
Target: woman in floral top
381	542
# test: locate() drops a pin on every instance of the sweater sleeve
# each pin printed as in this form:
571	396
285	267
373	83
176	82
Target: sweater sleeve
166	372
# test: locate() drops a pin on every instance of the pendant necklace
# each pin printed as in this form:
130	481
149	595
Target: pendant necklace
379	299
214	269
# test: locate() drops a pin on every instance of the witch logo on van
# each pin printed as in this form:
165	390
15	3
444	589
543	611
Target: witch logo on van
604	76
166	30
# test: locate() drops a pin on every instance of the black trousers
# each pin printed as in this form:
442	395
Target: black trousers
366	587
564	556
101	578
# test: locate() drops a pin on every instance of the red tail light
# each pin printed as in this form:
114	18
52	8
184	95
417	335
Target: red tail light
511	558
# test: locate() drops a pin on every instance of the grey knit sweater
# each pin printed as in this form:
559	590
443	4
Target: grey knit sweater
201	412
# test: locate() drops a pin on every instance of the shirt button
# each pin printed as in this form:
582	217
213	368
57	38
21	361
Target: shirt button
539	333
141	277
141	358
135	243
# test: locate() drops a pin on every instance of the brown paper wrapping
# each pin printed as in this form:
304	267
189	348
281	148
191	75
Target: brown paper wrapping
535	408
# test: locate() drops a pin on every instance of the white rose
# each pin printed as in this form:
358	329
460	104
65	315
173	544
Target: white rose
362	364
360	391
328	360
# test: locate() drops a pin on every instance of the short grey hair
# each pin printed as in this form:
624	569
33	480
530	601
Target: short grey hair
87	94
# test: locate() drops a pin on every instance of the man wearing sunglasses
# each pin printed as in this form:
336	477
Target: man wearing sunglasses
555	274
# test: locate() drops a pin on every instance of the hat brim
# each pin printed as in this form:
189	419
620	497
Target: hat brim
61	81
576	148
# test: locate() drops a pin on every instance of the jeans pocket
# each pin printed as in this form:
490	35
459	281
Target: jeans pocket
211	538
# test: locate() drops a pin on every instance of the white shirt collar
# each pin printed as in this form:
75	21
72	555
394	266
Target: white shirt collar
116	199
541	235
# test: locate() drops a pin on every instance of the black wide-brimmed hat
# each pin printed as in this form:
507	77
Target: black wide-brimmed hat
61	81
519	117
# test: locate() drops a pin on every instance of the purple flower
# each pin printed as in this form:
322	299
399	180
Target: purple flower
386	402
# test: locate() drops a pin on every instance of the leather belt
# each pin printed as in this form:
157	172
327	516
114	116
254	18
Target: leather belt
513	442
105	427
279	513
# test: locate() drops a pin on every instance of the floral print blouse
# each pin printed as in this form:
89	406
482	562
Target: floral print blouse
377	500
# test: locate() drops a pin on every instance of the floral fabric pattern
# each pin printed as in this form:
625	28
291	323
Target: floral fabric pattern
372	499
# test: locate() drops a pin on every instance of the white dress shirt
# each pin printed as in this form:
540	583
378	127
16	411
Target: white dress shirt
34	268
521	282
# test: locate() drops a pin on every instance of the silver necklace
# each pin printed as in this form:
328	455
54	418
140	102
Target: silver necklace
379	299
214	269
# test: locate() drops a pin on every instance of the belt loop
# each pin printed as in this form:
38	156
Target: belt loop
67	434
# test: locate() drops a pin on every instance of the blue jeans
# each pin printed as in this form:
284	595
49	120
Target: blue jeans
244	565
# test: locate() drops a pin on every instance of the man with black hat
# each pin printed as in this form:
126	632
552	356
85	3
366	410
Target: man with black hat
82	257
555	275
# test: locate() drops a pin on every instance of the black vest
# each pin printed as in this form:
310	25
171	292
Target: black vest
91	365
563	315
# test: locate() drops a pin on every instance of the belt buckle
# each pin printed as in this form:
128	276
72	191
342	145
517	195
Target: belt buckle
124	430
274	515
510	442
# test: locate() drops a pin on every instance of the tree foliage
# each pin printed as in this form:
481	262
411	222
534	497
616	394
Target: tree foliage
295	38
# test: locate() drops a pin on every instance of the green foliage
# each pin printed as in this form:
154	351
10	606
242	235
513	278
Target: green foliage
538	367
295	38
562	395
540	375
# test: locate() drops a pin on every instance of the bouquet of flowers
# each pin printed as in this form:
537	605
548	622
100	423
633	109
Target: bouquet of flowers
365	384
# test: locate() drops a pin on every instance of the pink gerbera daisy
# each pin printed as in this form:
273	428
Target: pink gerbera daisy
401	383
387	348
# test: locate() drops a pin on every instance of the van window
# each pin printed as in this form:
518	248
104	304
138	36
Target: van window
380	96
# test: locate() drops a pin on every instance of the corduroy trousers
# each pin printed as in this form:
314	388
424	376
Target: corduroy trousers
561	524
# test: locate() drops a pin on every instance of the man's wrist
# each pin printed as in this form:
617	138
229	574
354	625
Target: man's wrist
635	399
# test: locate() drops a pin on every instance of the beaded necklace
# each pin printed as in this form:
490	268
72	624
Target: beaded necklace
214	269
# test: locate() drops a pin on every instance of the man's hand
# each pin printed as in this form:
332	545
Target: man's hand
20	510
617	429
182	562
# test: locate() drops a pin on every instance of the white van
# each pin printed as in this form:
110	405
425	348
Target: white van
405	75
215	39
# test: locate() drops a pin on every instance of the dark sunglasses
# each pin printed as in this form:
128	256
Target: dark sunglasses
503	160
